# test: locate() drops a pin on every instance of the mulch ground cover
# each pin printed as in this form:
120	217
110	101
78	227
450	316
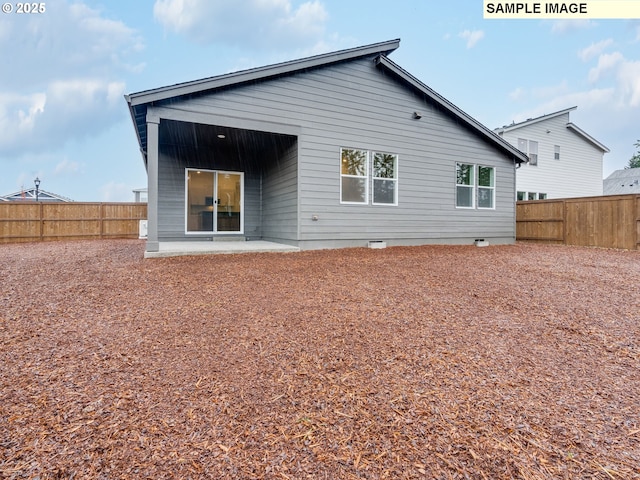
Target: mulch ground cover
438	362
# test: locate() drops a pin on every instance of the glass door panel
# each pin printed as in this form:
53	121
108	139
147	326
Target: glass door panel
200	201
229	204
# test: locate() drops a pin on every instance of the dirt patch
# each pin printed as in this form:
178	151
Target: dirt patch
439	362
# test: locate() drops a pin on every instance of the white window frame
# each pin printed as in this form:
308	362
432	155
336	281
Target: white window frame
365	177
528	147
394	180
370	179
533	153
475	186
491	188
556	152
214	194
471	186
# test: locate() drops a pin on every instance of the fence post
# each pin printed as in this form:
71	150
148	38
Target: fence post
637	210
101	221
564	222
41	222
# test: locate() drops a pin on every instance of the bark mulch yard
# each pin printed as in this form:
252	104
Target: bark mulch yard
438	362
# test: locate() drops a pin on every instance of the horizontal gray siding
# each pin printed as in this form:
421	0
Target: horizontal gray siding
280	198
357	105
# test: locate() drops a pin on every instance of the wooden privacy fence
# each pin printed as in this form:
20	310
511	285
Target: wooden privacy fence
40	221
611	221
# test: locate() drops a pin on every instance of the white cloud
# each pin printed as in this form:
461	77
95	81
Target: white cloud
517	94
551	90
66	167
66	109
594	50
70	40
629	80
65	77
472	37
566	26
245	23
606	63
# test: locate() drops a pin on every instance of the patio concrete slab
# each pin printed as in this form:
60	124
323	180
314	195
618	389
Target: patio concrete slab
176	249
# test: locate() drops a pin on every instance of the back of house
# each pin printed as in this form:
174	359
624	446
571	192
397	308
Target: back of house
334	150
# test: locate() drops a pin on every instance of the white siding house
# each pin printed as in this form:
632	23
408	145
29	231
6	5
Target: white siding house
564	161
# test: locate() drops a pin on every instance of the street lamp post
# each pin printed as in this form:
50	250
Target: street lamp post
37	182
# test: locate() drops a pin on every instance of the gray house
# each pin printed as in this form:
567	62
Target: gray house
333	150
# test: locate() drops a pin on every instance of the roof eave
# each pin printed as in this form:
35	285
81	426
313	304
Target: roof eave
587	137
532	121
484	132
259	73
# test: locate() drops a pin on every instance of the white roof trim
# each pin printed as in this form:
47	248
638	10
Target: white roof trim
531	121
587	137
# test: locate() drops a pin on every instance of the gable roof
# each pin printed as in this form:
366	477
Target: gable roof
30	194
622	181
571	126
139	102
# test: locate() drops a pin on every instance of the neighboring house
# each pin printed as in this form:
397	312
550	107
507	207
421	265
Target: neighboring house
622	181
140	195
564	161
328	151
30	195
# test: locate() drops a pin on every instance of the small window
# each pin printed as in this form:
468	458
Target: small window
464	185
533	153
523	145
542	196
532	196
521	196
486	187
556	152
385	179
354	174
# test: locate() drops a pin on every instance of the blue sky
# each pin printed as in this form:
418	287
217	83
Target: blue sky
64	72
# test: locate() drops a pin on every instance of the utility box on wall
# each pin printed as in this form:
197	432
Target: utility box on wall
142	229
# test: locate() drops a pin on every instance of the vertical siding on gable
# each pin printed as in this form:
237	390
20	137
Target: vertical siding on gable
357	105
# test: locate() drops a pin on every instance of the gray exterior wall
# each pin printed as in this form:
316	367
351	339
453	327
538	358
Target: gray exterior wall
354	105
280	199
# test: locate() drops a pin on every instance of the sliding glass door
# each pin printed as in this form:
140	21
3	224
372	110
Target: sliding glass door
214	201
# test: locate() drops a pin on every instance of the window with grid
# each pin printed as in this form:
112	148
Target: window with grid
354	173
385	179
465	184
